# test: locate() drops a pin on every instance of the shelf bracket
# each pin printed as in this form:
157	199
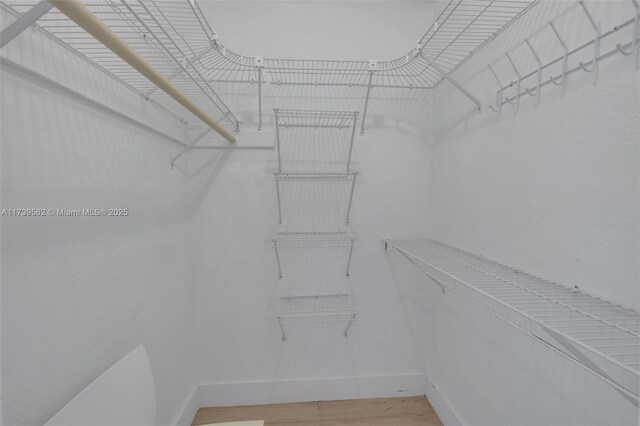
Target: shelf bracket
453	81
275	111
284	336
498	107
517	97
259	63
279	205
346	330
275	247
349	260
563	78
372	67
24	21
596	45
188	147
353	132
537	91
353	185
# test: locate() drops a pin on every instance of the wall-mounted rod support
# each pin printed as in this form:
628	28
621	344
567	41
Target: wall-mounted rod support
24	21
82	16
452	81
279	206
498	107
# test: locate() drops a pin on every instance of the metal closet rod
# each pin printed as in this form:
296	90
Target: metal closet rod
82	16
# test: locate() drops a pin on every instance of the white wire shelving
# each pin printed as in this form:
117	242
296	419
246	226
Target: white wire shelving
315	140
603	336
314	201
518	76
164	33
314	249
175	36
315	309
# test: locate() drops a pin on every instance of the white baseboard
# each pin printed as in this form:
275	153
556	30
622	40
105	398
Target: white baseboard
299	390
189	409
440	405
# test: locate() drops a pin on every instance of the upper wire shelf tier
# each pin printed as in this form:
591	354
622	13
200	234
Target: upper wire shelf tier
317	141
461	28
315	119
167	34
313	176
601	335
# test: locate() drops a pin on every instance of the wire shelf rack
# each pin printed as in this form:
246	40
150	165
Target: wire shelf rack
460	29
603	336
311	201
310	261
165	33
315	140
315	309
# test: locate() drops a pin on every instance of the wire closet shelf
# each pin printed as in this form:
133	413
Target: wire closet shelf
603	336
167	34
180	25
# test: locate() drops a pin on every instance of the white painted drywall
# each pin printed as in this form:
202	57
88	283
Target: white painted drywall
553	190
78	293
239	339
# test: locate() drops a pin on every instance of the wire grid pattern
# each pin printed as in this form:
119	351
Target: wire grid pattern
461	28
314	202
313	263
311	309
161	36
610	331
315	140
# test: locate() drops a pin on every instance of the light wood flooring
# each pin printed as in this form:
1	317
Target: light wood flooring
410	411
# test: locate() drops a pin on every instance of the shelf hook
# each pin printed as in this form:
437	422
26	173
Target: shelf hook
562	81
517	97
596	42
537	90
498	107
634	42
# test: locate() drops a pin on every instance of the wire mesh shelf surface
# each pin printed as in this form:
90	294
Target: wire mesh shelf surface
317	308
601	335
167	34
315	119
314	201
460	29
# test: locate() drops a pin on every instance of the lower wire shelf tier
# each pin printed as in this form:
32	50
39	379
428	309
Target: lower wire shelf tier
315	309
603	336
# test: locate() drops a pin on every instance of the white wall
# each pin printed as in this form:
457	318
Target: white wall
237	214
552	190
78	293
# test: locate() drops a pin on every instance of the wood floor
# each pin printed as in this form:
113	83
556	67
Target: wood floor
410	411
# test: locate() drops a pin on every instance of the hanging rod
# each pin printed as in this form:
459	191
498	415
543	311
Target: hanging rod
82	16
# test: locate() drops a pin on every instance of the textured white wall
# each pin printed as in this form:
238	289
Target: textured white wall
237	215
78	293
